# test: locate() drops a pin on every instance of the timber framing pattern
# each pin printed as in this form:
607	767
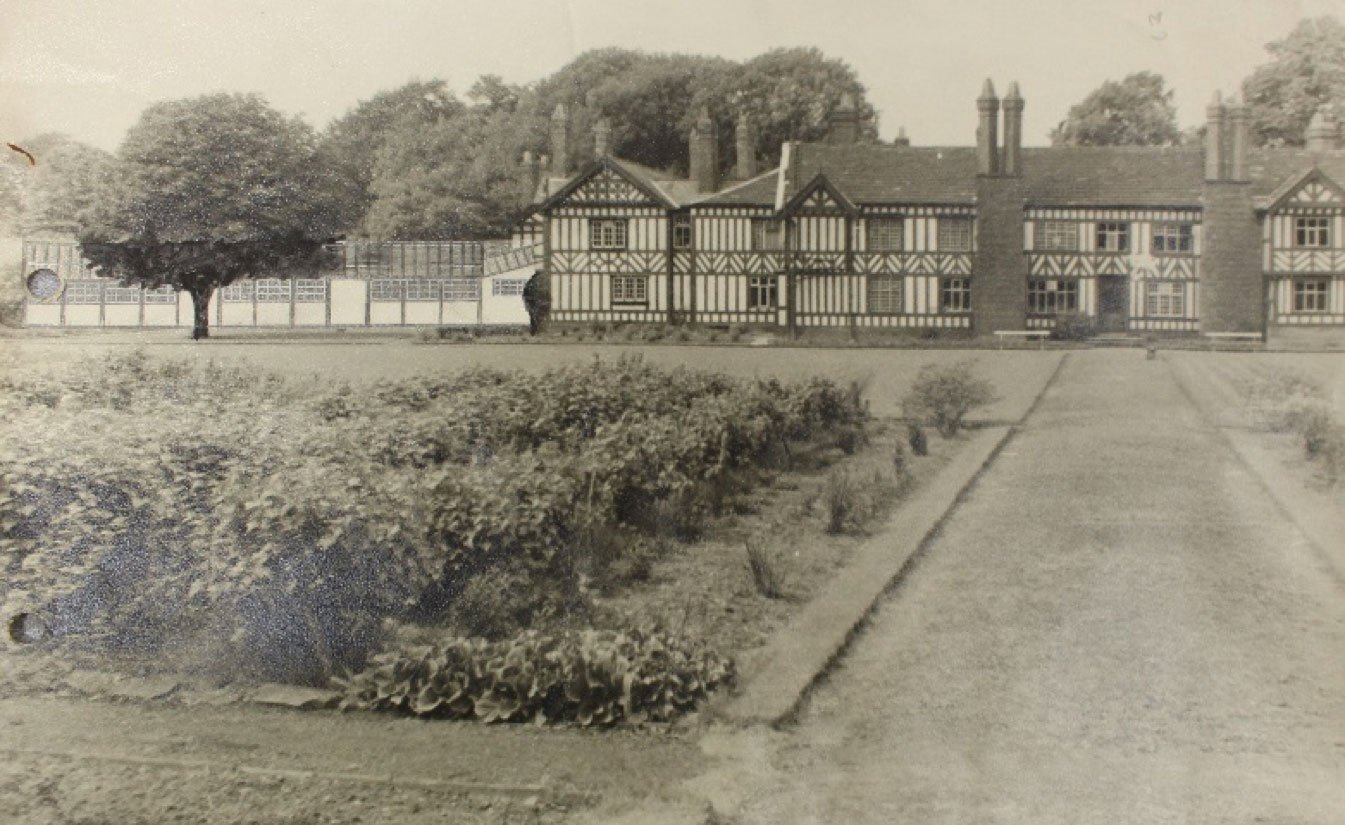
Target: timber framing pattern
1217	238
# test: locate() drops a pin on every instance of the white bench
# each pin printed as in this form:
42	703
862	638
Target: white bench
1215	337
1024	334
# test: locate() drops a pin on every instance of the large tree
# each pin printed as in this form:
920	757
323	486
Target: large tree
1306	71
461	177
1137	111
209	190
62	185
352	143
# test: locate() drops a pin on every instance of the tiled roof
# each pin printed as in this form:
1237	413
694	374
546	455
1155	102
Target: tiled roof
868	173
1272	168
1096	176
758	191
1113	176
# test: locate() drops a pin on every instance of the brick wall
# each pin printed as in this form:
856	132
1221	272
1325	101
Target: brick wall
1231	289
999	271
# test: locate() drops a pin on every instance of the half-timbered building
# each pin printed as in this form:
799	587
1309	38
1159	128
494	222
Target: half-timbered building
1220	238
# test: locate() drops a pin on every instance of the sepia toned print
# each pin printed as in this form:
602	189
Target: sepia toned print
713	413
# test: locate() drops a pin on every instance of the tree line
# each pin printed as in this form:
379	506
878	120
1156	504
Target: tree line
206	190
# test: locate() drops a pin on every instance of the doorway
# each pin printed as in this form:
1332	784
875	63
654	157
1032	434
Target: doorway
1113	303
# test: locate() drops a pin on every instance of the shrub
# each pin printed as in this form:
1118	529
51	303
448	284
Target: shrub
1313	424
1073	326
273	533
901	468
942	395
915	436
765	576
586	678
842	500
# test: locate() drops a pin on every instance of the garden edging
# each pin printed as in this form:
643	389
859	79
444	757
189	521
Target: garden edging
801	654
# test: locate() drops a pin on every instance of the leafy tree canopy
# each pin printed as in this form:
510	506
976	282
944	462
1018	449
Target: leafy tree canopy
460	173
51	195
1137	111
351	144
209	190
1306	71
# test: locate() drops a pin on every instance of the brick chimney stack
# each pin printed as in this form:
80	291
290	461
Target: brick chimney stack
560	140
1239	138
602	138
1012	164
1322	132
987	131
1216	164
901	139
745	146
843	124
704	152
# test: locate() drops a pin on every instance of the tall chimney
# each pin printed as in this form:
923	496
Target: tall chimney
1013	132
1239	135
987	131
560	140
704	152
1216	164
602	137
1321	134
901	139
843	124
745	145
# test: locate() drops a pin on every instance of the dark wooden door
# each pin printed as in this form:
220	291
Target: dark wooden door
1113	303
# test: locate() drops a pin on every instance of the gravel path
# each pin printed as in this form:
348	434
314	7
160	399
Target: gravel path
1116	626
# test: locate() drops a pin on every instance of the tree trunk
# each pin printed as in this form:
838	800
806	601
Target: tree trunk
200	311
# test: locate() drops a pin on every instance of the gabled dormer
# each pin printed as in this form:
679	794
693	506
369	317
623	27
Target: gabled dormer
608	182
1310	189
819	197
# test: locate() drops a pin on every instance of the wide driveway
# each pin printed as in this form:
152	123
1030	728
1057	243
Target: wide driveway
1116	626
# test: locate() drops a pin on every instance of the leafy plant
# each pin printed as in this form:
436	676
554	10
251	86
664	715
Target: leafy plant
915	436
588	678
765	576
942	395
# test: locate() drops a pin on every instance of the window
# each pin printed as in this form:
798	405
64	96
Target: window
83	292
607	233
1058	235
121	295
884	234
239	293
762	292
44	284
1312	232
507	286
162	295
273	291
1173	237
422	289
1164	299
681	232
1113	236
462	289
954	235
1047	297
884	294
310	291
384	290
955	295
766	235
630	289
1310	294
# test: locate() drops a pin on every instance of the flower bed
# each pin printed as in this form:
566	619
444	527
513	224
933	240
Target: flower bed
219	518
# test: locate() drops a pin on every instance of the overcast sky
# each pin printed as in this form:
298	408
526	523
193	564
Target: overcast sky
87	67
